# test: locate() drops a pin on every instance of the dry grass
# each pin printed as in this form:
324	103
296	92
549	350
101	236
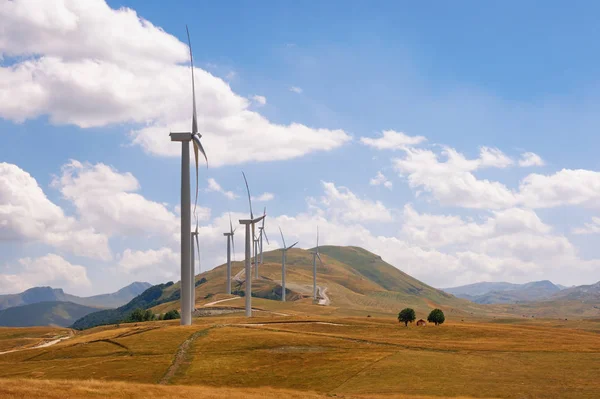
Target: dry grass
329	355
47	389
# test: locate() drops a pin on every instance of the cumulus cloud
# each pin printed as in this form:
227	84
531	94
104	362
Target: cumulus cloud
216	187
592	227
380	179
107	199
259	100
342	204
161	263
264	197
51	270
26	214
392	140
530	159
71	71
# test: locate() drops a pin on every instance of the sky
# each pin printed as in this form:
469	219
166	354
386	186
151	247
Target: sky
459	142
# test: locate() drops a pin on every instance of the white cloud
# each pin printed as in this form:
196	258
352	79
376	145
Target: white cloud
51	270
380	179
259	100
392	140
134	76
264	197
452	181
343	205
296	89
530	159
160	263
26	214
216	187
107	200
592	227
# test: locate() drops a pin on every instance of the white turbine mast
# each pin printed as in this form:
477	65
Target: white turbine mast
283	253
249	239
194	237
186	247
315	256
230	246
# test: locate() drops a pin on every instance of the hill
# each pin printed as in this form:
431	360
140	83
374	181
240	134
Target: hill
501	292
49	294
61	314
355	280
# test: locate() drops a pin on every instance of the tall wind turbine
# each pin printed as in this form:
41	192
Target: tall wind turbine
283	252
260	237
249	239
315	256
230	244
186	227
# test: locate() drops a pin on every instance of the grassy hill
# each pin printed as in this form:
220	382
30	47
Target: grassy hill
61	314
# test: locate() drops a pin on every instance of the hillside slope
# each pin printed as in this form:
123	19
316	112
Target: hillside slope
61	314
49	294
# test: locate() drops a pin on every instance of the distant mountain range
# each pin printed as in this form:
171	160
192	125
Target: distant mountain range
585	293
61	314
501	292
49	294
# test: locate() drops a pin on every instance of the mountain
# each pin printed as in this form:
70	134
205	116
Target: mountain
61	314
491	293
49	294
586	293
153	296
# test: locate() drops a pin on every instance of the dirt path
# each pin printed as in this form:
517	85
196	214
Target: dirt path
222	300
42	345
182	358
324	299
238	277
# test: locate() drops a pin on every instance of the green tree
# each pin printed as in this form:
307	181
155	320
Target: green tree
407	316
172	315
436	316
136	316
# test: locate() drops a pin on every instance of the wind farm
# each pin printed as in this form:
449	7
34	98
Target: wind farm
398	149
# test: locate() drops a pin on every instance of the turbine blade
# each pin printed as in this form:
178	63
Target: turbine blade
230	224
293	245
265	233
198	146
249	200
233	247
194	118
320	260
198	252
264	214
282	239
317	238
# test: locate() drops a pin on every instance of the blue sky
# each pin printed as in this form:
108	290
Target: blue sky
89	82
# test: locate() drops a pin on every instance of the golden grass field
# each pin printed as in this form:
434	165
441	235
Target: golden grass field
310	357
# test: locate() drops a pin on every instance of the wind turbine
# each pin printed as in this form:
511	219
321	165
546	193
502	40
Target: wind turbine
186	227
247	222
260	237
283	252
230	244
315	256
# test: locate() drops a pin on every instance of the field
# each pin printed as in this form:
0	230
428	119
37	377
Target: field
309	357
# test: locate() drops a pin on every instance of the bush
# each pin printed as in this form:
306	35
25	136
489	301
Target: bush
436	316
139	315
172	315
406	316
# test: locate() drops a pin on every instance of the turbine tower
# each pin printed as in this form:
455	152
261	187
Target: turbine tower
186	225
230	244
315	256
283	252
249	239
194	236
260	236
